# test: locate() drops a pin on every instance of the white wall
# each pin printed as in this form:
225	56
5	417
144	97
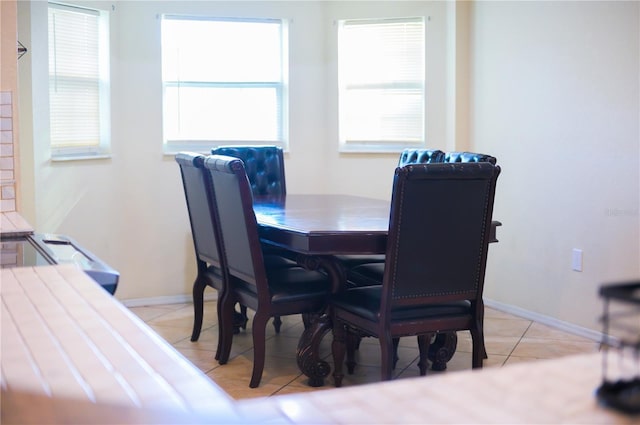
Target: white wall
554	95
130	210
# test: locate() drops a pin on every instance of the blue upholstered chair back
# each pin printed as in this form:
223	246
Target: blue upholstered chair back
264	166
434	156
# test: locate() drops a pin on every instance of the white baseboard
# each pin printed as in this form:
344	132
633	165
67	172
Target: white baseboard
172	299
506	308
545	320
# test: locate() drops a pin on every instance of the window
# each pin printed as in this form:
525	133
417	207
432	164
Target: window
381	84
78	81
224	81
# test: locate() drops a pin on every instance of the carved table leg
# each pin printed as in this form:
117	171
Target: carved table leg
307	355
317	326
442	350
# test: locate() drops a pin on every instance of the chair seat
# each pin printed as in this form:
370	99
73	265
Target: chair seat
365	302
296	284
214	277
366	274
292	284
278	262
350	261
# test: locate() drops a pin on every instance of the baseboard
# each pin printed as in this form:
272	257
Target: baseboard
506	308
172	299
545	320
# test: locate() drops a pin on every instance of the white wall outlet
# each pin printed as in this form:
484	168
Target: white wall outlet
576	260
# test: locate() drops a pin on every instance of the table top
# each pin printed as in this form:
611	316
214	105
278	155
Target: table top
324	224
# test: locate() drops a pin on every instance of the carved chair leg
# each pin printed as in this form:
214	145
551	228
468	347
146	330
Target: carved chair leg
387	354
352	341
358	340
423	346
198	306
478	350
337	351
226	311
259	342
396	342
240	319
277	323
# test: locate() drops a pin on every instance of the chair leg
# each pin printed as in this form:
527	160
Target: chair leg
277	323
358	340
198	306
337	351
387	352
423	346
258	328
307	320
396	342
352	342
478	350
240	319
226	309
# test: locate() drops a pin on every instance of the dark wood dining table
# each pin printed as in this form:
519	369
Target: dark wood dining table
316	227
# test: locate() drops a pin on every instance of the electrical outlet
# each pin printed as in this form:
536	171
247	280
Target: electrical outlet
576	260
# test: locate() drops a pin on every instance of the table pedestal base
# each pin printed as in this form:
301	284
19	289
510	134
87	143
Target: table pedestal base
442	350
309	361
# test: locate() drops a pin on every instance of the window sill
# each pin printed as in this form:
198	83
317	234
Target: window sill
378	148
79	157
171	149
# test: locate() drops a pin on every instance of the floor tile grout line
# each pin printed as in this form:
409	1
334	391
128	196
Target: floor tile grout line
293	382
516	344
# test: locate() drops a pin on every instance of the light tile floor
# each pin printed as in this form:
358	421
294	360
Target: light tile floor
508	339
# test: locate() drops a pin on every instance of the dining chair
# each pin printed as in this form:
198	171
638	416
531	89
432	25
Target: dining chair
433	277
210	267
269	292
198	192
264	165
409	156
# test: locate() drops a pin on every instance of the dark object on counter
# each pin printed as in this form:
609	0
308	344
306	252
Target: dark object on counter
43	248
623	318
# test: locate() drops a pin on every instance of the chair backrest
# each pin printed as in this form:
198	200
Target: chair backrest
420	156
199	197
234	207
438	233
431	156
468	157
264	166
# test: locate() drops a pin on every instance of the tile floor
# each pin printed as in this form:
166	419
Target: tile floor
508	339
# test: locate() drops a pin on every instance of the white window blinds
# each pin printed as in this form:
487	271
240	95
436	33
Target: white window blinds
381	83
78	80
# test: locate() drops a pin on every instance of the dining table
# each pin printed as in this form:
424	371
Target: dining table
315	229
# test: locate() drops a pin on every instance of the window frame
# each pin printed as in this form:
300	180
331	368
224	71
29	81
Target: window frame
172	146
379	146
101	149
